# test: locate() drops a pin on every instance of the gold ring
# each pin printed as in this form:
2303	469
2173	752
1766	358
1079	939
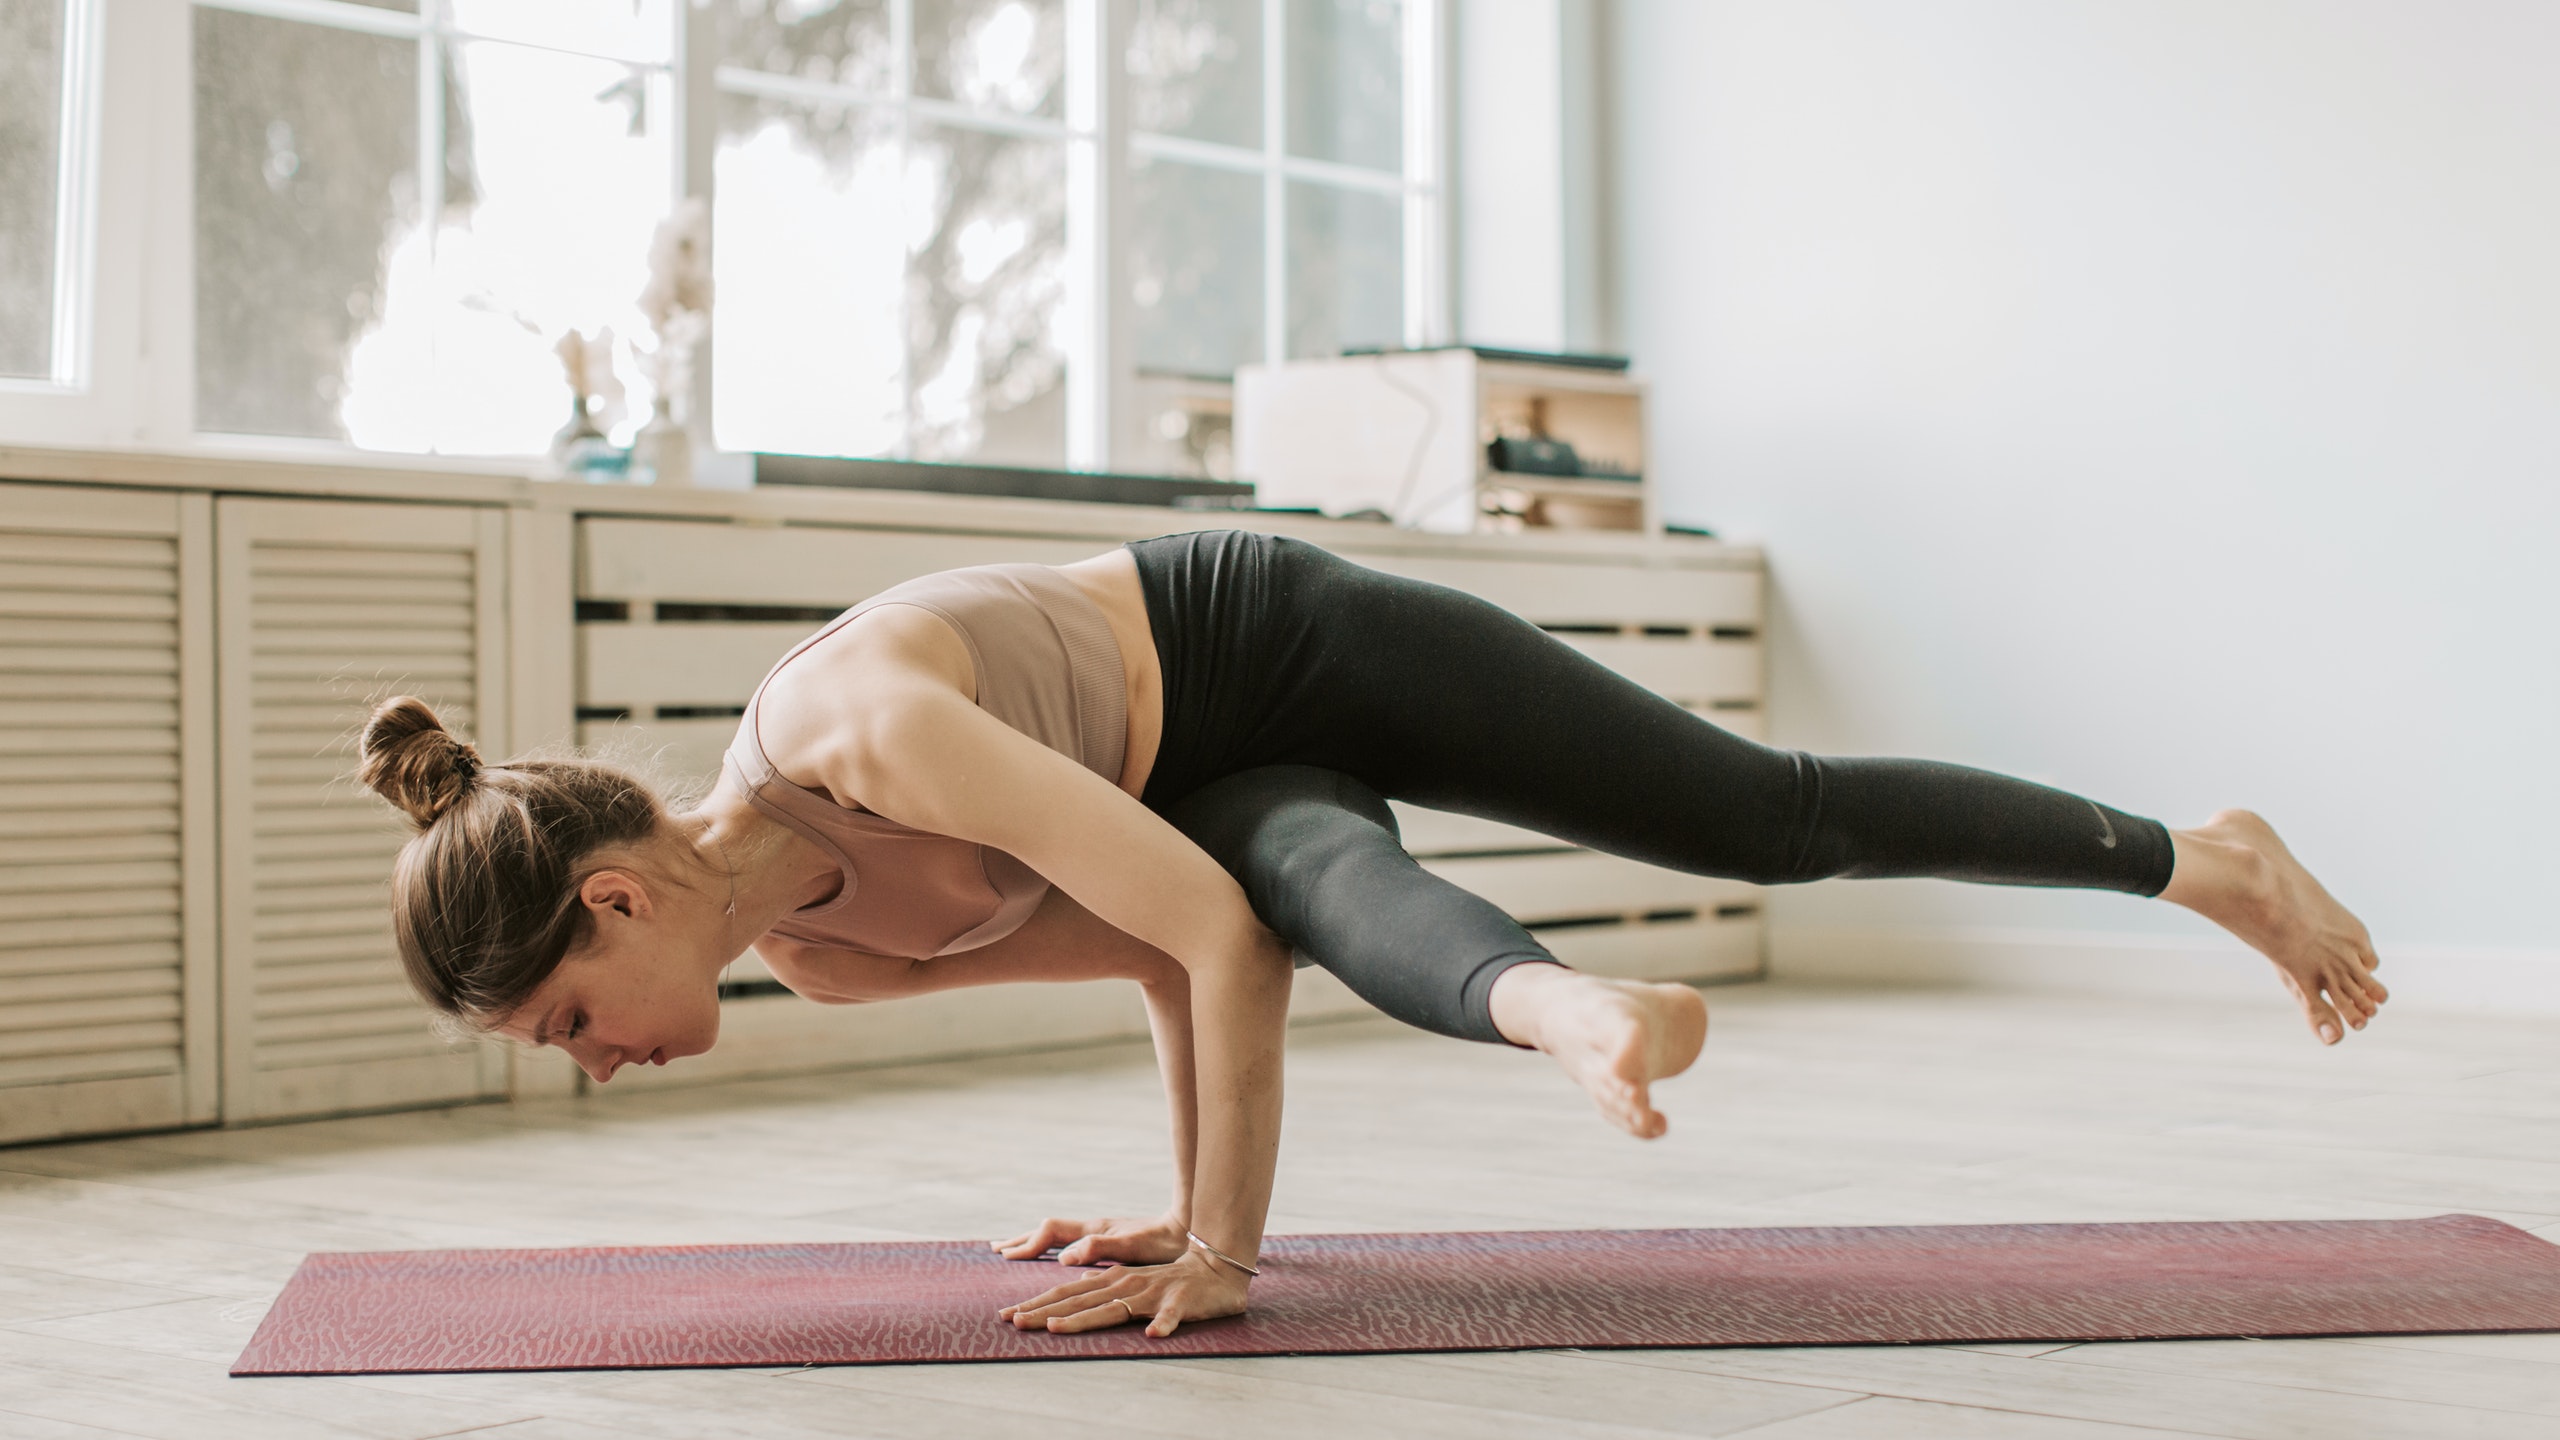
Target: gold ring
1129	1309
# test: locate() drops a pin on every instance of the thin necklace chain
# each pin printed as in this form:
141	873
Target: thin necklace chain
726	864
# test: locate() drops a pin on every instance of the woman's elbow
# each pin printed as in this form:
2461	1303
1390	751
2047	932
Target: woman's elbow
1249	949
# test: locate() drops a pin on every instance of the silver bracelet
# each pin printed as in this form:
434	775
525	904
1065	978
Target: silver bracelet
1218	1254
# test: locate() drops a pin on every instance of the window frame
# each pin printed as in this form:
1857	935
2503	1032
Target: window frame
86	395
125	274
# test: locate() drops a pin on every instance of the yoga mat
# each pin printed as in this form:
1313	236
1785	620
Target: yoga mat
1496	1290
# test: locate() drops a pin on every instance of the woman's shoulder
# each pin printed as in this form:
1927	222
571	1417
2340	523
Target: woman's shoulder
820	716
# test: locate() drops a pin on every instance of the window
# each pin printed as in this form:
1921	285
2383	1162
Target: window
1267	152
944	229
400	208
47	55
890	223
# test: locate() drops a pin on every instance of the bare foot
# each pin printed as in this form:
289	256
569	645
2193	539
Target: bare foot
2233	871
1614	1037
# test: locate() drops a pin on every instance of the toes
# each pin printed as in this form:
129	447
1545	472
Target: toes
1630	1109
2355	991
2324	1021
2366	962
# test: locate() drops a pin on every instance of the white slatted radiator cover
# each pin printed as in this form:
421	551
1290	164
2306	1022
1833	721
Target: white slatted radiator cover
326	608
106	900
679	619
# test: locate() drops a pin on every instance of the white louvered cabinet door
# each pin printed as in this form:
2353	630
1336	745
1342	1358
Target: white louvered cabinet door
325	608
107	1005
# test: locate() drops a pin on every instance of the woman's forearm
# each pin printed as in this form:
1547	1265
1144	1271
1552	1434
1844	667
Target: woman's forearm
1169	1019
1239	1015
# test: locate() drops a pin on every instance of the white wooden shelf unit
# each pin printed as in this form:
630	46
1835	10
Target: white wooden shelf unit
1406	433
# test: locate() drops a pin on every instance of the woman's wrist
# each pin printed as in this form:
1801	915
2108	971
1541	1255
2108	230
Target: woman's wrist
1220	1258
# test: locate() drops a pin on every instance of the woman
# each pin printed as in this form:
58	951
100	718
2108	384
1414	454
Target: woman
1167	764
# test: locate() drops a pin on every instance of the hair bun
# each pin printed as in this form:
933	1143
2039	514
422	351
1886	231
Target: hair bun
407	757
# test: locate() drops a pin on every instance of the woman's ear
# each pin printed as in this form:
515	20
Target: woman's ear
617	890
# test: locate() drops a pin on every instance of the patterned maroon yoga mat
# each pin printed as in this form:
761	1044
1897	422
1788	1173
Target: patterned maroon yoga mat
1496	1290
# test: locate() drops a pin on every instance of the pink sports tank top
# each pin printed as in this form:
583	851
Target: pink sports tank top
1047	665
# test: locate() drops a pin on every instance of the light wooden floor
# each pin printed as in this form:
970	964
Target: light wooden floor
134	1270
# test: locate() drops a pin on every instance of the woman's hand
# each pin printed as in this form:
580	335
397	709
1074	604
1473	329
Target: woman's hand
1194	1287
1090	1242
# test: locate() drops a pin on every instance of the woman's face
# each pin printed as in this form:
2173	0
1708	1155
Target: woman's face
642	990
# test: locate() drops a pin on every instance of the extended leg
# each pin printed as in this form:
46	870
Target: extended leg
1439	698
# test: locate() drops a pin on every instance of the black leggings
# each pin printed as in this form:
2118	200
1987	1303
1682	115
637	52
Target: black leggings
1300	689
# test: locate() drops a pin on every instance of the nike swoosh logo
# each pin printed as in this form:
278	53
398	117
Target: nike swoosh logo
2106	828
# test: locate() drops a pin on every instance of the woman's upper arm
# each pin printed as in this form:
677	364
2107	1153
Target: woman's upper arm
1062	941
935	761
836	977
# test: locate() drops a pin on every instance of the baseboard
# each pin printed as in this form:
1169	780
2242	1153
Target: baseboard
2464	978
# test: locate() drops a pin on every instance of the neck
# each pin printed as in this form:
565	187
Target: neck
772	869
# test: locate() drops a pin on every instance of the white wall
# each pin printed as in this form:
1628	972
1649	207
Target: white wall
2160	398
1529	223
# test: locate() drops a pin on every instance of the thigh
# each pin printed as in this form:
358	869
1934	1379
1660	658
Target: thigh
1316	853
1445	700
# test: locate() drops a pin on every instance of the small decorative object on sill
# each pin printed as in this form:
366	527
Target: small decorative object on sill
580	450
677	302
662	454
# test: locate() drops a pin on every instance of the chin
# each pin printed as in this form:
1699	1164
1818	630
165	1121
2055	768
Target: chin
702	1037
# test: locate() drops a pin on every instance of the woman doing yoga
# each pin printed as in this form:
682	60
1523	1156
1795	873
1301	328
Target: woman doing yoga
1170	764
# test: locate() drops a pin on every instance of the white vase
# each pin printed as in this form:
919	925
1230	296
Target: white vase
662	453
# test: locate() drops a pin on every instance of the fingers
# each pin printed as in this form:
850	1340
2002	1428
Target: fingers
1094	1249
1033	1244
1097	1302
1102	1311
1164	1296
1102	1314
1059	1299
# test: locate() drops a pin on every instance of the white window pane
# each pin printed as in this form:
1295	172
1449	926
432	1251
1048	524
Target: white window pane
627	29
987	277
843	42
1001	55
306	171
1195	69
30	159
558	171
811	265
1195	267
1346	270
1346	82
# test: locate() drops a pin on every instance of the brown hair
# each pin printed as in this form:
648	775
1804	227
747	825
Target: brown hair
484	901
